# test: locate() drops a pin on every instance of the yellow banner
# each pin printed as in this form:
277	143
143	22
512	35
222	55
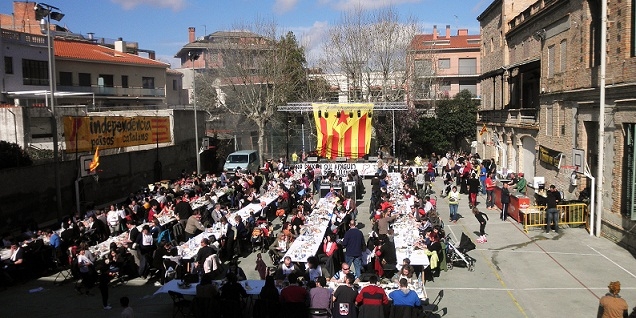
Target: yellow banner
87	133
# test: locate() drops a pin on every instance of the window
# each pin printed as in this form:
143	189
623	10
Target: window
563	51
551	60
66	79
468	66
84	79
549	123
174	85
107	80
443	64
629	207
124	81
35	72
423	68
470	86
8	65
148	82
445	86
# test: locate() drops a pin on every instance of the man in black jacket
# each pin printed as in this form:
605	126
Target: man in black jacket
505	201
204	252
552	213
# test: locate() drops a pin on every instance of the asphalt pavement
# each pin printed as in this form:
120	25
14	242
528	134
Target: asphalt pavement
516	274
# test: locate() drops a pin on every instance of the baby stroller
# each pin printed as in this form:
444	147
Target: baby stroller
456	255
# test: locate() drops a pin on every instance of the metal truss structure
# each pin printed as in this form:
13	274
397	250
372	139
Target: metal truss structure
308	107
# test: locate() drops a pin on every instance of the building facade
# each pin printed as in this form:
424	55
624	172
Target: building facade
541	96
442	65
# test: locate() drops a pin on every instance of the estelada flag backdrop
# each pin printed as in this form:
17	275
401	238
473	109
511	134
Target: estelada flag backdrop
343	131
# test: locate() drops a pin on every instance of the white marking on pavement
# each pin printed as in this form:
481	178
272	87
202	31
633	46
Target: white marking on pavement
538	252
607	258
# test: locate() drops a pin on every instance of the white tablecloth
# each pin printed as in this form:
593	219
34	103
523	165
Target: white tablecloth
252	287
406	234
173	285
308	243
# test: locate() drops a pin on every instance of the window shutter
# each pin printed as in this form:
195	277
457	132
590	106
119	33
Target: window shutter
631	170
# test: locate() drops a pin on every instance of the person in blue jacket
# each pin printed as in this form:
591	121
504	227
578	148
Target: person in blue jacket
404	296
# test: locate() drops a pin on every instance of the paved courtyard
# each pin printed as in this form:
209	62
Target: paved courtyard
517	274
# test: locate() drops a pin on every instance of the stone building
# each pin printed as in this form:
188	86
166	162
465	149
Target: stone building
540	99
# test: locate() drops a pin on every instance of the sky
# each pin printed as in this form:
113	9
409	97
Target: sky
162	25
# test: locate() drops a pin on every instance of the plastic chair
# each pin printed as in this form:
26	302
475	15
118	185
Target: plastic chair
63	270
178	232
180	304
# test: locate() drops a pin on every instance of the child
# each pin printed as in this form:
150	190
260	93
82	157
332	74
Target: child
482	225
260	266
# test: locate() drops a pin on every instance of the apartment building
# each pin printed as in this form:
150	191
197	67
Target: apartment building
442	65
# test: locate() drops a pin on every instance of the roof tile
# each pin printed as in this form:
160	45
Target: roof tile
94	52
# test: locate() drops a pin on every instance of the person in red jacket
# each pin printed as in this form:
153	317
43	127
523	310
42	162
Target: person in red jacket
372	300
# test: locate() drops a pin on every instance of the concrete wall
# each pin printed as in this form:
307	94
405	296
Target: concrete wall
29	192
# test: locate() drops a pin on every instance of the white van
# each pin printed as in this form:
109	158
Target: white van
244	160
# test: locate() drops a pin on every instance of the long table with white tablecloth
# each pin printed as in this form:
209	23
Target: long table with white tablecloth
312	233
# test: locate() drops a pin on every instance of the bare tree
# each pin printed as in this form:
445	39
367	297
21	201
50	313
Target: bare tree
254	72
369	48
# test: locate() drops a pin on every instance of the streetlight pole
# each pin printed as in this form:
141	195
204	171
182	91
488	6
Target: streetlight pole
44	13
287	152
193	56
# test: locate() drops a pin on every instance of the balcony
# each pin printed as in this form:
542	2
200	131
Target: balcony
23	38
515	117
158	92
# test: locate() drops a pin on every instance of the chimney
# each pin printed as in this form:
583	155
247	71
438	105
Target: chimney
120	45
191	36
151	55
448	31
462	32
435	32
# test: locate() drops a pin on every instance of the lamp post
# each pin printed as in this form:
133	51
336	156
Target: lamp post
193	56
287	143
45	13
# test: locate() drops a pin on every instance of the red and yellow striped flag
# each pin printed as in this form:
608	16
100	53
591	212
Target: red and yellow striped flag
483	130
345	132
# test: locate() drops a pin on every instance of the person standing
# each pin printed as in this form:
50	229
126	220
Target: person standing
505	201
104	280
354	243
612	305
453	204
473	189
481	217
490	191
552	213
483	173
